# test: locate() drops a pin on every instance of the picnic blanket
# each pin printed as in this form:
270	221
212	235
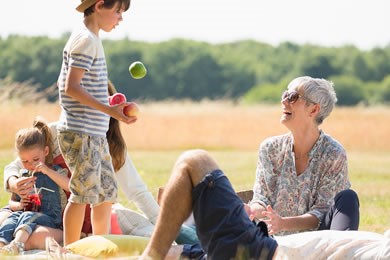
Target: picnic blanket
316	245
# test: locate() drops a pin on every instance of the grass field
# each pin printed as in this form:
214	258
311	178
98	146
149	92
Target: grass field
232	134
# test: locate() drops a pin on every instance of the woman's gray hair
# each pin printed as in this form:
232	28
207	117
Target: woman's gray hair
320	91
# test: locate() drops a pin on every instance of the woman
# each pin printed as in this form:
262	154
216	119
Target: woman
302	177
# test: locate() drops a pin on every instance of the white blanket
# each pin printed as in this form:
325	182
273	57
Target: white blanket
331	244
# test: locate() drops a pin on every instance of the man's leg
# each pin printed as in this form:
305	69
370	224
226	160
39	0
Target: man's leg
176	204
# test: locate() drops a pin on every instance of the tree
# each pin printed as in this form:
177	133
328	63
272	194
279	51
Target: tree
349	90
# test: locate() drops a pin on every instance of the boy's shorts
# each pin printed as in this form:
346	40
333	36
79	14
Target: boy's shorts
224	228
88	158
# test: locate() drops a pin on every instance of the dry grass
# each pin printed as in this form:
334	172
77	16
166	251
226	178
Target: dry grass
218	125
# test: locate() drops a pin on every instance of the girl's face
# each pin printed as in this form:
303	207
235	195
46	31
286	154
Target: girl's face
32	156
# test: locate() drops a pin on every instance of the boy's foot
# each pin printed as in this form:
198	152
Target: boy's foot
13	248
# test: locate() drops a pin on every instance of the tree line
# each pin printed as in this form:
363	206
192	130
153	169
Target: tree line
245	71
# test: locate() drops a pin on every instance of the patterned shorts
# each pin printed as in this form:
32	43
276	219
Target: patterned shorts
88	158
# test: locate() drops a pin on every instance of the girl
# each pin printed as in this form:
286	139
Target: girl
34	148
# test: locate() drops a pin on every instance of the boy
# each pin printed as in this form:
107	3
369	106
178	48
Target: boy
84	119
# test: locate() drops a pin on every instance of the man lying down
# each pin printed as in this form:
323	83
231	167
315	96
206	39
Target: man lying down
225	230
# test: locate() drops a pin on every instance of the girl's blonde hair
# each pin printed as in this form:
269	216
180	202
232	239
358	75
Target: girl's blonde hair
38	135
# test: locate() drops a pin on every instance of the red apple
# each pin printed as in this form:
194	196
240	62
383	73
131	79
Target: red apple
117	98
131	109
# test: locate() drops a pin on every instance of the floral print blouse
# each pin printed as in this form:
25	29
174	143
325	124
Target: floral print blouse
313	191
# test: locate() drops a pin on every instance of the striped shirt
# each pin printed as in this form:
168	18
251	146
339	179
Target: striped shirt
277	183
84	50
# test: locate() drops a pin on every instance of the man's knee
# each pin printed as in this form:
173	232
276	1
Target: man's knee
197	163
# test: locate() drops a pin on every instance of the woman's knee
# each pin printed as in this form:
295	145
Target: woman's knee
348	196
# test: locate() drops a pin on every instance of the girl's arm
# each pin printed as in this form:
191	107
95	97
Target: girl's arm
61	178
74	90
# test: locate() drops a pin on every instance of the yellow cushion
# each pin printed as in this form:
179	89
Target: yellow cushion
109	245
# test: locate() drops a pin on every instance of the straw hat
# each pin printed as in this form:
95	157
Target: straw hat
85	4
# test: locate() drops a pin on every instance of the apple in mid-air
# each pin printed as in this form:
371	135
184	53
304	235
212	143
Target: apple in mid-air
137	70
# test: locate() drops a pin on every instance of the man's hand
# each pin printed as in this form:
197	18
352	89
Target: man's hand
21	186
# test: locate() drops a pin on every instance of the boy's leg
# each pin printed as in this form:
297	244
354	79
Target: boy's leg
101	215
176	205
93	182
73	222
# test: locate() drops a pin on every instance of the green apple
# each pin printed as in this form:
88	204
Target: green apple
137	70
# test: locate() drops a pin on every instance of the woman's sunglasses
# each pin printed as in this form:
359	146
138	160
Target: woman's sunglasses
293	96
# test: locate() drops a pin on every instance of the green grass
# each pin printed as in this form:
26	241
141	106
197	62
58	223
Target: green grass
368	173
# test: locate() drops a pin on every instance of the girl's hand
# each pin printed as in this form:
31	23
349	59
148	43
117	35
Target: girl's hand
41	167
24	202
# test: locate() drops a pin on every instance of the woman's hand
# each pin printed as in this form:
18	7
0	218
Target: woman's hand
21	186
273	220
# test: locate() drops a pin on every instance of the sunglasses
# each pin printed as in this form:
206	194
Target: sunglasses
293	96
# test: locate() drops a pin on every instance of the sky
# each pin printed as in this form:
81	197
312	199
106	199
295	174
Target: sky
363	23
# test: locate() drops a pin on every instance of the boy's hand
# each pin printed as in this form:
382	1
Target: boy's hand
116	112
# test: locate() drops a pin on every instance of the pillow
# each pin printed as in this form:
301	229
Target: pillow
93	246
109	246
129	245
131	222
115	228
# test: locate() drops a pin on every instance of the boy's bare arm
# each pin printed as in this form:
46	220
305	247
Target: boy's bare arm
74	90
